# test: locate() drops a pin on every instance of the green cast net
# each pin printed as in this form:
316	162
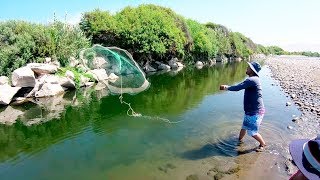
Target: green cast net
130	77
118	61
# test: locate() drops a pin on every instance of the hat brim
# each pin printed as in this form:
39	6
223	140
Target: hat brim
252	68
296	151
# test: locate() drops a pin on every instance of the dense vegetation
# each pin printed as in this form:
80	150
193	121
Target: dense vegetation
149	32
22	42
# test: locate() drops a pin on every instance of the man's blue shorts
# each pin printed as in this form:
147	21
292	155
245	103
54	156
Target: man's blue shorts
252	123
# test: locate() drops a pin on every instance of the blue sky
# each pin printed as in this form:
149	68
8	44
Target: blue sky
290	24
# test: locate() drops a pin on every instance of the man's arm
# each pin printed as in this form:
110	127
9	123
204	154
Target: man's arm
243	85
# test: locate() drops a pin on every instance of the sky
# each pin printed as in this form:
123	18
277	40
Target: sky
293	25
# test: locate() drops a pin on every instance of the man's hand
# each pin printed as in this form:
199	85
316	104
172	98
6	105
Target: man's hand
224	87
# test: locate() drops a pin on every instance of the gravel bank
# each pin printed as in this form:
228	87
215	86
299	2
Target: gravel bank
299	77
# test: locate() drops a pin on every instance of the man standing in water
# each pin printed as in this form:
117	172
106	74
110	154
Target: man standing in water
252	102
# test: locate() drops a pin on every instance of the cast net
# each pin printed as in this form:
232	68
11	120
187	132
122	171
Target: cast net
129	76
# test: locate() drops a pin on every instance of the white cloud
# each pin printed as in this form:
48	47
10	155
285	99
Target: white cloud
74	19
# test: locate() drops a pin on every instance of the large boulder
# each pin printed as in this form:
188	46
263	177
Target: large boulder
49	89
4	80
52	79
6	93
9	115
41	68
23	77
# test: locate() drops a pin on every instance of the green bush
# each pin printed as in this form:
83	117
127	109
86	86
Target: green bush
205	45
22	42
148	31
101	27
223	39
275	50
240	45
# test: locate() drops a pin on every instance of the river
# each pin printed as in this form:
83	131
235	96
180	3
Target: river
187	126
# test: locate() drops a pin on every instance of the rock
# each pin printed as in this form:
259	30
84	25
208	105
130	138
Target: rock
73	62
9	115
49	90
93	75
173	63
174	72
4	80
47	108
47	60
295	119
52	79
37	86
84	80
89	84
69	74
100	86
41	68
100	74
99	63
112	77
6	93
212	62
288	104
222	59
180	64
199	63
23	77
67	83
238	59
192	177
55	63
19	100
293	96
149	68
289	127
164	67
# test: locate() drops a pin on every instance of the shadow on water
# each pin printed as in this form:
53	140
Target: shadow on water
229	147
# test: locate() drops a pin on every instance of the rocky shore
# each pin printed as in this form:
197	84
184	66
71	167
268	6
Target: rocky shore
299	77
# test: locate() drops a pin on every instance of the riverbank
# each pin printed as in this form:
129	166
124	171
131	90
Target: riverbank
298	77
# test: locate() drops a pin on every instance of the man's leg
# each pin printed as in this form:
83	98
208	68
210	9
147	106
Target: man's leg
259	138
241	134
